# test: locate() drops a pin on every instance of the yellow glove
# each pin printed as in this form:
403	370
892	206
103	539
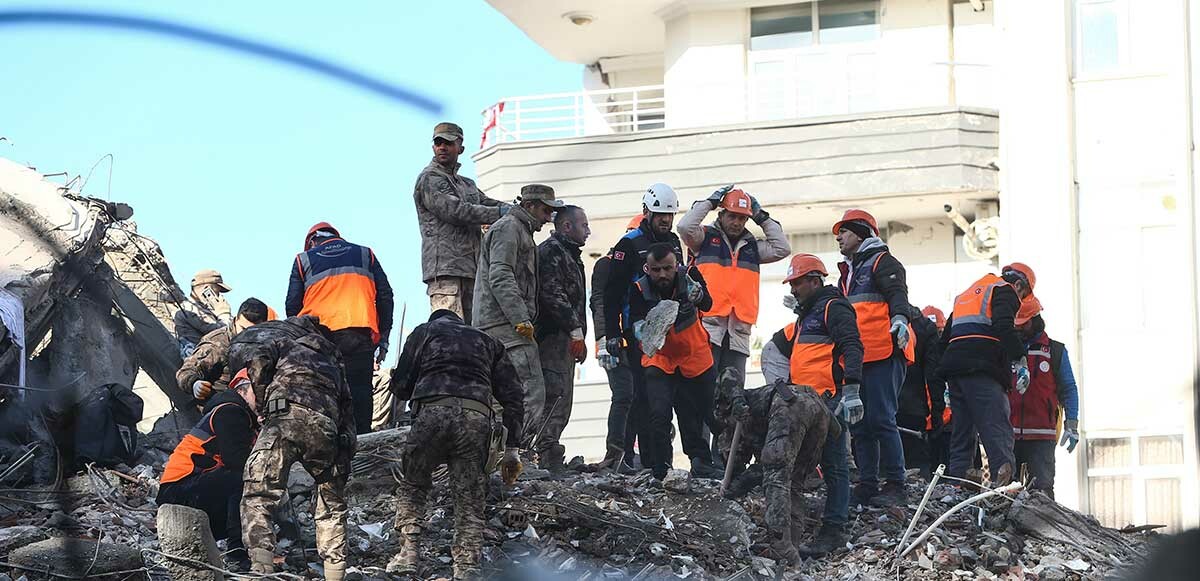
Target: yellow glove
525	330
510	466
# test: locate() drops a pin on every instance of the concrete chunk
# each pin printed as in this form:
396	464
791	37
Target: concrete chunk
184	532
71	557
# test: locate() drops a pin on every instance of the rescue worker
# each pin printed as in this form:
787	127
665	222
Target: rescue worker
785	427
680	374
729	256
205	470
939	441
203	312
621	433
344	286
560	326
308	417
919	414
1050	396
506	289
618	347
822	349
874	283
450	372
450	211
980	348
206	370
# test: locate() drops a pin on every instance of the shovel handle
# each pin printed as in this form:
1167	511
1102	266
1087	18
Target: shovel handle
733	446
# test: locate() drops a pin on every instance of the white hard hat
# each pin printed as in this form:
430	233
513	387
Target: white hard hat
661	199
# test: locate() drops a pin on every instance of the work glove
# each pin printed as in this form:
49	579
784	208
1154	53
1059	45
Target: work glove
577	347
525	329
740	410
381	351
1070	437
851	407
637	329
719	195
695	292
607	359
757	213
1021	375
202	389
510	466
900	331
790	303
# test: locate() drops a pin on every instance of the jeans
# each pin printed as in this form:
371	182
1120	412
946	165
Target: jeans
836	474
358	355
1038	457
691	399
620	382
877	448
981	408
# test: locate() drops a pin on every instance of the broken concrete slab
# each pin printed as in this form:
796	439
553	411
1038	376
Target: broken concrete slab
184	535
19	536
74	557
678	481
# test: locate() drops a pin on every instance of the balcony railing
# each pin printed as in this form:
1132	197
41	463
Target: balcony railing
576	114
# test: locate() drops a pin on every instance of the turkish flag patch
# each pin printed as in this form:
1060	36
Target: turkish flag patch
618	255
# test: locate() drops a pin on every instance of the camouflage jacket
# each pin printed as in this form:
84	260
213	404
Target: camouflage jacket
450	211
192	323
562	291
209	362
294	359
446	357
506	285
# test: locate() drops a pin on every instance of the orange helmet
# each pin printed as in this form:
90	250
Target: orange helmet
634	223
1024	270
936	315
738	202
1030	307
316	228
803	265
857	215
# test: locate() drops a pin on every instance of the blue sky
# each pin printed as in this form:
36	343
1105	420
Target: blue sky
228	159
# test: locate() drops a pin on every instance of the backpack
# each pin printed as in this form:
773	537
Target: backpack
105	430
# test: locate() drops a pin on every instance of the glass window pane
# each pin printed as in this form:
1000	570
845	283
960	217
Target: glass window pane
1160	450
1164	503
1111	500
1099	31
777	27
1109	453
848	21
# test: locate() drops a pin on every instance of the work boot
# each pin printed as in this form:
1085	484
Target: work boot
784	552
335	571
552	459
862	494
1004	475
829	539
703	468
406	562
892	494
743	483
262	561
466	572
975	478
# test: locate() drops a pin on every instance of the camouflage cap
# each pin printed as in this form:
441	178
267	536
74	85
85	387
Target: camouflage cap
541	193
210	276
448	131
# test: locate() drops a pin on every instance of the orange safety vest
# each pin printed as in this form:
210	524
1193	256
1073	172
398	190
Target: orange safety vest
871	309
812	360
686	346
192	455
339	288
972	318
732	276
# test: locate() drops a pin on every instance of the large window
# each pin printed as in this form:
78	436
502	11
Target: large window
1101	36
813	23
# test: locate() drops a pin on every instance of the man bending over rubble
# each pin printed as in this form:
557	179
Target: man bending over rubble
784	426
207	369
308	416
451	371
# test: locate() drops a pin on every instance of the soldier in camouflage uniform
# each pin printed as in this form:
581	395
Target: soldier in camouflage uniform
561	325
450	211
506	291
784	427
302	394
451	371
206	369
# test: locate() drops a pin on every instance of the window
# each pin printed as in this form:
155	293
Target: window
1137	479
813	23
1100	35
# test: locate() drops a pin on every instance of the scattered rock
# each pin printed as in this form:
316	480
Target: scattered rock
19	536
299	480
74	557
678	481
947	559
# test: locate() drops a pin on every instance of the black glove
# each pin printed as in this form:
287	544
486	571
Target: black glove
614	346
740	410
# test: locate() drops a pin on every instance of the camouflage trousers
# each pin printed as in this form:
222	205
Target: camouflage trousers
453	294
525	359
558	375
458	438
296	435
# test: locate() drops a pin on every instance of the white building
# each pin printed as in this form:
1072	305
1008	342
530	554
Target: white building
1070	120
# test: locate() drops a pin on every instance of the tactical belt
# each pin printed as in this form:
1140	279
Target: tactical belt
455	402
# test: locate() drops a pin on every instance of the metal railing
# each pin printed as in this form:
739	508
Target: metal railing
576	114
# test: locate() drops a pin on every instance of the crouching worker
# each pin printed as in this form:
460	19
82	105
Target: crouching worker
450	371
784	426
205	470
308	417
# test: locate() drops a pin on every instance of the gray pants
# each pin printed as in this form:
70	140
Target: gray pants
524	356
558	375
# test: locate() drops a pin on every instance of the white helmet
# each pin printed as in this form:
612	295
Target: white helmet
661	199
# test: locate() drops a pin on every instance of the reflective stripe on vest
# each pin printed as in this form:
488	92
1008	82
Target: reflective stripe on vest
686	346
732	277
871	309
1034	414
812	361
972	315
339	288
192	456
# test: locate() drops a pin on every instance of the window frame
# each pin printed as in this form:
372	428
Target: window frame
1124	66
816	26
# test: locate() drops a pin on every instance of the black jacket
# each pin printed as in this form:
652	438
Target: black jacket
843	329
923	393
969	356
889	276
596	299
446	357
625	267
639	306
562	288
234	428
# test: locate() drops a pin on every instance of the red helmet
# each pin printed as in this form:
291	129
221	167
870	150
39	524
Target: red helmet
317	228
1024	270
738	202
857	215
935	314
803	265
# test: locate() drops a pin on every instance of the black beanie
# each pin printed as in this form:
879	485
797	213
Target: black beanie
859	228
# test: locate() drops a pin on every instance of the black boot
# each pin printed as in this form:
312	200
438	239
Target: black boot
552	459
862	494
703	468
743	483
829	538
891	494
